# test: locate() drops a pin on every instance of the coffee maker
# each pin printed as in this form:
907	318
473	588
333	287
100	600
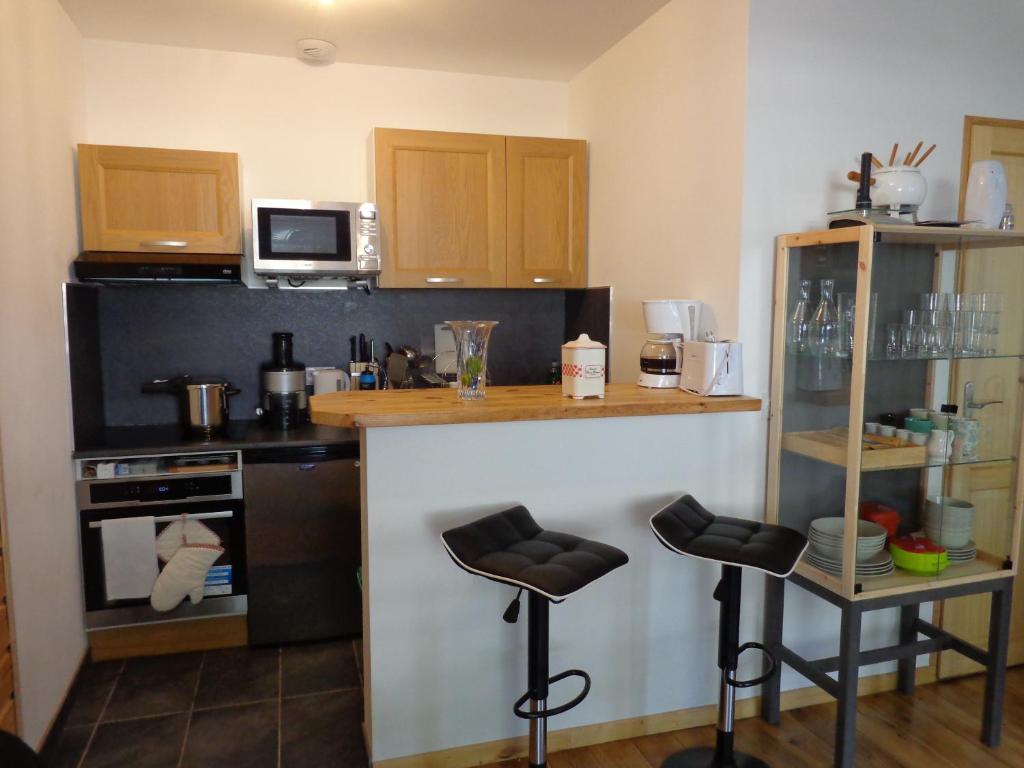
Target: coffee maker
670	323
285	404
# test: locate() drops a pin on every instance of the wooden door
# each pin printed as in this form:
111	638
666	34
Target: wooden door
441	201
991	487
137	199
8	718
547	212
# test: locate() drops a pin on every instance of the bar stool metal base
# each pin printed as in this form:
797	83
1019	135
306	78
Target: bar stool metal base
722	755
705	757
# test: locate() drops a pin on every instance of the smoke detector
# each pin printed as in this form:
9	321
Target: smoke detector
315	51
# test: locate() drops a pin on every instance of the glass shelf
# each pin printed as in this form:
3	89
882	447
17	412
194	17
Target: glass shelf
928	358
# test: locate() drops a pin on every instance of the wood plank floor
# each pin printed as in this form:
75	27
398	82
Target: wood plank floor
938	727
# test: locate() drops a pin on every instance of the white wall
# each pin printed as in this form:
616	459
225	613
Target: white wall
301	131
663	111
827	81
40	79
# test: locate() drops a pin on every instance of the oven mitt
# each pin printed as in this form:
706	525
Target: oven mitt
183	531
184	574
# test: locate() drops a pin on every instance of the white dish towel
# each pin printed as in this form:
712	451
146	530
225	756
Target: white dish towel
129	557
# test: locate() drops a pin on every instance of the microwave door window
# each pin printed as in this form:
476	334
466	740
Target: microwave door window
307	236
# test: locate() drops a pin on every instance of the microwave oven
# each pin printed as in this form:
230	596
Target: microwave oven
306	240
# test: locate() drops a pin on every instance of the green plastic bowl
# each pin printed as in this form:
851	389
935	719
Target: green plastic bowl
921	563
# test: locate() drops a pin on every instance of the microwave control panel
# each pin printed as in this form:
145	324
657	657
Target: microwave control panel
368	238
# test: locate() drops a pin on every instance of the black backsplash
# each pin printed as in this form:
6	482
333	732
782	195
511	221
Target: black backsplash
148	332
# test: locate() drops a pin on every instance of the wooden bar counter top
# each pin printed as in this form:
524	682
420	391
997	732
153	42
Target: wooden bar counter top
417	407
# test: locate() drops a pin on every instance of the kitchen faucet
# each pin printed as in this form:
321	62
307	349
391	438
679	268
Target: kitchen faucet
970	405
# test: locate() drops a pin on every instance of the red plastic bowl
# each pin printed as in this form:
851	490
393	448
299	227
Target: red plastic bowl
887	517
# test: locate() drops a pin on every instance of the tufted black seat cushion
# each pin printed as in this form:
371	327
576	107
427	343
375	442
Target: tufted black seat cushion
685	527
510	547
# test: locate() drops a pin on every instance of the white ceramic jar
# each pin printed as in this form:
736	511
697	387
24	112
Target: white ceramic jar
583	368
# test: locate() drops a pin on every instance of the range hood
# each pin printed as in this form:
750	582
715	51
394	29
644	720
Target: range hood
120	267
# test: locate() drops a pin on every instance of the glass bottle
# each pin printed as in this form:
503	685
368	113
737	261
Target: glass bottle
823	330
1006	222
796	333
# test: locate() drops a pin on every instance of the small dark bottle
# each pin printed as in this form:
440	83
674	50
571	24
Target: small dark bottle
555	373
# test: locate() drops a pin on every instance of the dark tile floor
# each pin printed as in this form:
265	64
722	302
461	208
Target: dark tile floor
294	707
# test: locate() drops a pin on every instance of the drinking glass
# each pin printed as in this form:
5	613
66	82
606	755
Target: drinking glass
892	341
908	350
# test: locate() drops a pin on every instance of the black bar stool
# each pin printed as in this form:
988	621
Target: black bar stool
510	548
685	527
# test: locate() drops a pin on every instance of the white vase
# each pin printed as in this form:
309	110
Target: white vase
986	193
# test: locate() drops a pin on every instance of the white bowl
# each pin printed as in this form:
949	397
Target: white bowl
832	527
947	508
948	538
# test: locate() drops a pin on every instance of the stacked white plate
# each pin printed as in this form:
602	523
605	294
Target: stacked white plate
826	537
965	554
880	564
949	522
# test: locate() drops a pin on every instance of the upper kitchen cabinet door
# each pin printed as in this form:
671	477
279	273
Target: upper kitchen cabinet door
159	200
441	199
547	213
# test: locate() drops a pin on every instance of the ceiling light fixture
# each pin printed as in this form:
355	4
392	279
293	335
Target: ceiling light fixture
314	51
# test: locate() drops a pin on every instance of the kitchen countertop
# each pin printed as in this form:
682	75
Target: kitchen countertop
241	435
404	408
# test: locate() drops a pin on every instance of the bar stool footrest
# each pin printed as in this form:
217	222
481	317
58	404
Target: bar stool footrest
517	708
773	664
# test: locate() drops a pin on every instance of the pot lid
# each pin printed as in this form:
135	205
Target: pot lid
583	342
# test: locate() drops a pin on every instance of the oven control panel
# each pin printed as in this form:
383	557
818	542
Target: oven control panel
124	481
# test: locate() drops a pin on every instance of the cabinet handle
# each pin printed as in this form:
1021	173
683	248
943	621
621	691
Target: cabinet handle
435	280
165	243
543	280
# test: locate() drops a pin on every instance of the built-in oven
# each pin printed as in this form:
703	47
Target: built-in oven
301	240
205	487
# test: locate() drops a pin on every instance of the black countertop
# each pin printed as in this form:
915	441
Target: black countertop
241	435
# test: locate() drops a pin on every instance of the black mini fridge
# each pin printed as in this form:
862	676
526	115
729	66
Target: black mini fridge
302	542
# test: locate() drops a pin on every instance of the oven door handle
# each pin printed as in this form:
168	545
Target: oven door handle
172	518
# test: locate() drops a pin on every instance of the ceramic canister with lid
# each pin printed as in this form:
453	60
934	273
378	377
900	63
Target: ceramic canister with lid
583	368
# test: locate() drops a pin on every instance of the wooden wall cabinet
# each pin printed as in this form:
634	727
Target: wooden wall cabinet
547	212
465	210
138	199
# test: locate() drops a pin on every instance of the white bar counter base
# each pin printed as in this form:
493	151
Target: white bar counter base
441	668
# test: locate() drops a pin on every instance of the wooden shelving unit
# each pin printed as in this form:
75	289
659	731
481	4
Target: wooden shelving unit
897	263
821	464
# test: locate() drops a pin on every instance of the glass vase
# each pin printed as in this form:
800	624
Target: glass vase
471	340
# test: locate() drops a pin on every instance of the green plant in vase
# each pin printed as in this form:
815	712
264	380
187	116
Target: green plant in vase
474	367
471	339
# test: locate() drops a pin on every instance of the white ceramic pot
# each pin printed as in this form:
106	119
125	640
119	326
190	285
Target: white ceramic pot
986	193
583	368
899	185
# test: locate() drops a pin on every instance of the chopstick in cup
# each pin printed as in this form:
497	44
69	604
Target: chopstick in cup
895	149
906	160
924	156
913	155
875	161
